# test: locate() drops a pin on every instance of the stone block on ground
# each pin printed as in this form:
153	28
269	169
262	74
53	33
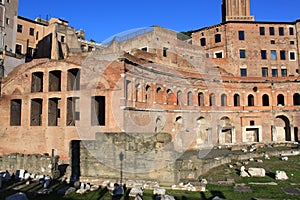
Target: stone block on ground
135	191
257	172
159	191
281	175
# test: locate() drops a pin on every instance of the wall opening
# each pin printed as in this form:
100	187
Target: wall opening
224	100
296	99
73	79
200	99
37	82
98	111
53	111
212	100
250	100
55	81
280	100
190	99
236	100
36	112
265	100
15	112
73	111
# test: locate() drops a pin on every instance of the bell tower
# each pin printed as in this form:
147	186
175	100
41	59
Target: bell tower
236	10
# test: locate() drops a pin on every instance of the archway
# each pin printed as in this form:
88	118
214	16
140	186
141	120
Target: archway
282	129
226	131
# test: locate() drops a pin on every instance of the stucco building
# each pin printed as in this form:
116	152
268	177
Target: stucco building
237	83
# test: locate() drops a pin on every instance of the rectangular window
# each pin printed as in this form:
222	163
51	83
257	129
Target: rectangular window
203	42
37	35
37	82
165	52
283	72
15	112
242	53
31	31
53	111
73	111
264	72
262	30
272	42
273	55
98	111
281	31
54	81
218	38
36	110
292	55
263	54
19	28
218	54
291	30
73	82
274	72
272	31
292	42
7	21
241	35
282	55
243	72
18	49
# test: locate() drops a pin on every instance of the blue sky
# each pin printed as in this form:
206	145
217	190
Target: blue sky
102	18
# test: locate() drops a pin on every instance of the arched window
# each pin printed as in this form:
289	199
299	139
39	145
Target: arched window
200	99
236	99
137	92
224	100
296	99
265	100
190	99
280	100
179	98
250	100
212	99
169	96
148	93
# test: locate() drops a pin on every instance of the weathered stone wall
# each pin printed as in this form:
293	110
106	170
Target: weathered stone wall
34	164
141	157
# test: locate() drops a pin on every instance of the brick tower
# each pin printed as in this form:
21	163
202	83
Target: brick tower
236	10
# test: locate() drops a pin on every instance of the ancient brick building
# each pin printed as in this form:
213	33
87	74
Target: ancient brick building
237	83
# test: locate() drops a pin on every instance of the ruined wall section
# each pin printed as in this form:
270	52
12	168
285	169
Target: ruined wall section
143	157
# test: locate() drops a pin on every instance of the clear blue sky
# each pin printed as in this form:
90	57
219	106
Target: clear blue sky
102	19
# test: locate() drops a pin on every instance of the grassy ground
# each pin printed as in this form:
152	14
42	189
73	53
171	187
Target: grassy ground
222	173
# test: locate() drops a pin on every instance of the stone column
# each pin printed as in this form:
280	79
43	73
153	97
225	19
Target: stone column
292	131
274	136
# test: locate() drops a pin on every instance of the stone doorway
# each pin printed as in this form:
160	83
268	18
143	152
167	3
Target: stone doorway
282	130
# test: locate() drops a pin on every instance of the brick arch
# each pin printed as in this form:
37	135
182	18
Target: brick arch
190	98
236	99
281	99
282	128
296	99
251	99
265	100
171	97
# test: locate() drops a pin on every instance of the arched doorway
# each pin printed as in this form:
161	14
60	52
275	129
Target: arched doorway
282	130
226	131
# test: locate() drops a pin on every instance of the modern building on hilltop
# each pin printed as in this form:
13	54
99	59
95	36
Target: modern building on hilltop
236	84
